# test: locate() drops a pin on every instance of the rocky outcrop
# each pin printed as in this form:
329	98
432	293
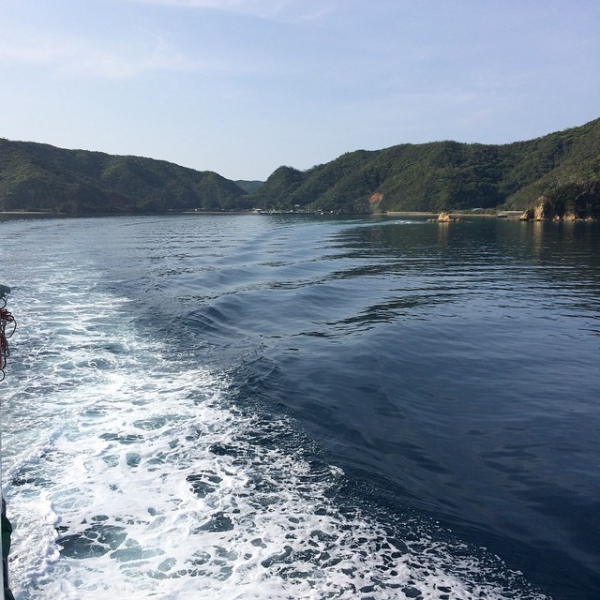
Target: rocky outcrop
547	209
543	210
445	217
569	216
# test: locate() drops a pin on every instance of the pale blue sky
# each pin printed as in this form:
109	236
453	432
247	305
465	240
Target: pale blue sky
242	87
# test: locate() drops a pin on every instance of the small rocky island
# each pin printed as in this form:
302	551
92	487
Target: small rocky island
444	217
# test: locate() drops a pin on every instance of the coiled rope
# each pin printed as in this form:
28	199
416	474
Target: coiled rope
8	326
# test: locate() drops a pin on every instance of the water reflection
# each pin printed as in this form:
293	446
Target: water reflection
476	244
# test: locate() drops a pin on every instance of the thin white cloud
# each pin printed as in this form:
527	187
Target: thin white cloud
77	57
284	10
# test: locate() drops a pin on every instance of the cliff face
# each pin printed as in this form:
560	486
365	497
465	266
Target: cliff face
574	202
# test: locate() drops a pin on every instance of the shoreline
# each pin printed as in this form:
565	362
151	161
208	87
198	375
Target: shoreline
29	212
458	214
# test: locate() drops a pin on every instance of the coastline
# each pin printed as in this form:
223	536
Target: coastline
461	215
29	212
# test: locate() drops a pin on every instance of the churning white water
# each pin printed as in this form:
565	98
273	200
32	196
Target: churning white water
129	473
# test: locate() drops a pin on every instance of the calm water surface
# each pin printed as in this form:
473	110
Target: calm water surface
298	407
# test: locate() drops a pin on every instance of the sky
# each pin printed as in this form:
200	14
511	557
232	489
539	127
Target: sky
242	87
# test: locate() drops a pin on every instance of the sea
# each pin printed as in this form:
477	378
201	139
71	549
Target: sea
234	407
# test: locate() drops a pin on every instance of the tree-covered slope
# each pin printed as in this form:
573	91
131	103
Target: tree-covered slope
38	176
563	167
572	161
442	175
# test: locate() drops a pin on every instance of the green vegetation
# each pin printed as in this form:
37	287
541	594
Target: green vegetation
41	177
563	167
445	176
249	186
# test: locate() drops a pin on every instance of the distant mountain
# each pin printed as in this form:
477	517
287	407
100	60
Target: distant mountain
442	176
561	169
42	177
249	186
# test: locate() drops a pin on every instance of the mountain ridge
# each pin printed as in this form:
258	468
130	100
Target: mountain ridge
561	167
447	175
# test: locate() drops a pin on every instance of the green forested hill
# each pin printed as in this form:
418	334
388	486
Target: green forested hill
38	176
564	167
445	175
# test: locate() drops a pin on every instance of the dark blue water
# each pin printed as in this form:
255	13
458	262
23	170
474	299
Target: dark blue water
450	371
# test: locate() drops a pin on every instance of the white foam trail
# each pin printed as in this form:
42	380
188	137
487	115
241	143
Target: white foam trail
130	475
